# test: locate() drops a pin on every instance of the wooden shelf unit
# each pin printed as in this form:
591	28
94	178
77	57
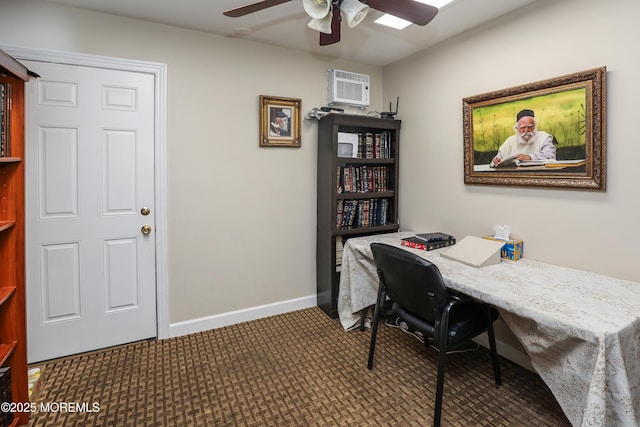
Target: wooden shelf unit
330	196
13	337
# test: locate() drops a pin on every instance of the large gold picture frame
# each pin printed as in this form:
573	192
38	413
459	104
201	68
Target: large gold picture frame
571	108
279	121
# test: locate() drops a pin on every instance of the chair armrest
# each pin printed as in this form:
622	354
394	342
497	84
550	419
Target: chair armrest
459	297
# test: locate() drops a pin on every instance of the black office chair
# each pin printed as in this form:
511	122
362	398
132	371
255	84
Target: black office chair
420	298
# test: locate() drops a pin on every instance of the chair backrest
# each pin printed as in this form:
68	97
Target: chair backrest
413	283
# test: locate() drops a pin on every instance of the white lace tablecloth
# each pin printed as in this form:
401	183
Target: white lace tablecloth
580	329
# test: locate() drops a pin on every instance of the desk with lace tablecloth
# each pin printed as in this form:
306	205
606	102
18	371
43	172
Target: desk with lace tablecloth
580	329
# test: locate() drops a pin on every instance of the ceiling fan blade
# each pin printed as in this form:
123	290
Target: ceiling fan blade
334	37
253	7
413	11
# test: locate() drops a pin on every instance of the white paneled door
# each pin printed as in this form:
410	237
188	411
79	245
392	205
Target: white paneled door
90	247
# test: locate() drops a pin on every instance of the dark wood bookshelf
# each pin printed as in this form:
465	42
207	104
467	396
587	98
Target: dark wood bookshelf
328	230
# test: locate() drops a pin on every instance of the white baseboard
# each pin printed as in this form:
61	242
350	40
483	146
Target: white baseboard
507	351
240	316
253	313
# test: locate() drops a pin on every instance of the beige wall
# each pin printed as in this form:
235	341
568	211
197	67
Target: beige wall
241	219
595	231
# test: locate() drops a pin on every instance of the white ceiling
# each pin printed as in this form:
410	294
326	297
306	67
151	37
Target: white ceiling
286	25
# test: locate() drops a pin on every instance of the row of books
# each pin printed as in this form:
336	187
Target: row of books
362	179
374	145
5	119
361	213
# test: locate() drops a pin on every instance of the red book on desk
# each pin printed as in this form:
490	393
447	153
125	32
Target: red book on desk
417	243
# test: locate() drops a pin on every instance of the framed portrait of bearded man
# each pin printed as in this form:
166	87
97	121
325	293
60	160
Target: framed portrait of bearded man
550	133
280	121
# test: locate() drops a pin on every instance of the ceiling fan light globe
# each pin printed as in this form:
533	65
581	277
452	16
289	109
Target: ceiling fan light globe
317	9
354	12
322	25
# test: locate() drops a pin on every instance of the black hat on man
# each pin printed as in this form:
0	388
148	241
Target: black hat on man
524	113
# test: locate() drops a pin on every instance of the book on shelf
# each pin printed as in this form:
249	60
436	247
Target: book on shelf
369	145
5	119
339	253
339	250
2	115
419	243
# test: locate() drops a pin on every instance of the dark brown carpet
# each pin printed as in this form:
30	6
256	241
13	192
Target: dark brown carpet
295	369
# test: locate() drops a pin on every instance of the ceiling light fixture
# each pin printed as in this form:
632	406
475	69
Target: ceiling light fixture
436	3
392	21
401	24
243	31
320	12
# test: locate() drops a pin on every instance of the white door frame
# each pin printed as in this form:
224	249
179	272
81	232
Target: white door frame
159	70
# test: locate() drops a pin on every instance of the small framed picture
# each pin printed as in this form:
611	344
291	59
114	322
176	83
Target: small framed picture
279	121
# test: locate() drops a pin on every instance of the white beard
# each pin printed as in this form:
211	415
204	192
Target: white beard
520	138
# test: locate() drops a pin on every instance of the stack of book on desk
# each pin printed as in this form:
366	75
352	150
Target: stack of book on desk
429	241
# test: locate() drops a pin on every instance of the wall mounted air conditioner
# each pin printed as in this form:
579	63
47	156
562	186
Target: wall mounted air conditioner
348	88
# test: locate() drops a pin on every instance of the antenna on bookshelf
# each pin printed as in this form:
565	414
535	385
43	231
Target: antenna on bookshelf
390	114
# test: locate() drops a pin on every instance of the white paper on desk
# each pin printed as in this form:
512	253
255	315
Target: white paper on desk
475	251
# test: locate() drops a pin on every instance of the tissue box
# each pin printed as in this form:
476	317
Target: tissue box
512	249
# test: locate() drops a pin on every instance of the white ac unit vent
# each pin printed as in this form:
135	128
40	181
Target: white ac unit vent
348	88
